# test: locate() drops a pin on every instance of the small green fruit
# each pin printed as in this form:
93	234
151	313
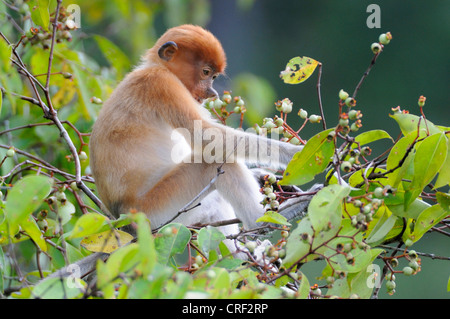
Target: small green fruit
11	152
350	102
346	166
408	271
384	39
303	114
390	285
343	95
376	47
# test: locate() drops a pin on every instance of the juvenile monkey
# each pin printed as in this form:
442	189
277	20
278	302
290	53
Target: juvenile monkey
132	140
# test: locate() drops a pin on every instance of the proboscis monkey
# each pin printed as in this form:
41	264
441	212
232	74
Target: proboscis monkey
133	140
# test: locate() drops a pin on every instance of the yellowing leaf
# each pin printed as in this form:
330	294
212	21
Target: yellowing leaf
107	241
298	70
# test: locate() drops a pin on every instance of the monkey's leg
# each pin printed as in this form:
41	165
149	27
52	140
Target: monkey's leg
183	183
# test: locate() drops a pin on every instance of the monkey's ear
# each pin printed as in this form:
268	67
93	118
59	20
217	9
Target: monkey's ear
167	50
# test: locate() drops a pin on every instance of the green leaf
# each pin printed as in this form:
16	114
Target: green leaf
396	154
427	219
40	12
2	269
120	261
115	56
444	173
273	217
310	161
88	224
409	123
324	209
371	136
448	285
382	228
32	229
107	241
25	197
304	287
444	200
395	203
298	70
65	211
430	156
298	249
59	288
172	239
209	238
5	56
147	250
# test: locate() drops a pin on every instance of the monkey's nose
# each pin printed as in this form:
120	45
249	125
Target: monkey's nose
210	92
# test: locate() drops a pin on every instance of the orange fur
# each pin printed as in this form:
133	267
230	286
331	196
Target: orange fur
131	140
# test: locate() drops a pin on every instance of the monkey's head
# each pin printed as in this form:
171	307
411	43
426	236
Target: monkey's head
194	55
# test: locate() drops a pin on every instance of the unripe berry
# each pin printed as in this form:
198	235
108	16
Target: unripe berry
354	127
42	224
315	118
408	271
240	102
346	166
376	47
226	97
422	100
272	179
367	209
378	192
10	152
83	156
390	285
394	262
409	242
343	122
357	203
353	114
74	186
272	196
414	265
61	196
295	141
413	254
199	260
218	104
331	135
303	114
350	102
96	100
383	39
279	122
251	246
365	151
274	204
343	95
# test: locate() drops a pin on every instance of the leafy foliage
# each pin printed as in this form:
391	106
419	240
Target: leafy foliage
50	214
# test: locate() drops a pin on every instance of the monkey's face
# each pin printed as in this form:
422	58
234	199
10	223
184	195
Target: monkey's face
197	77
195	73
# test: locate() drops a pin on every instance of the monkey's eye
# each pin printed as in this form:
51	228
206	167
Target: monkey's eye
206	72
214	76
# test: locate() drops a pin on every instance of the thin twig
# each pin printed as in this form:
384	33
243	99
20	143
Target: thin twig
372	63
319	96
